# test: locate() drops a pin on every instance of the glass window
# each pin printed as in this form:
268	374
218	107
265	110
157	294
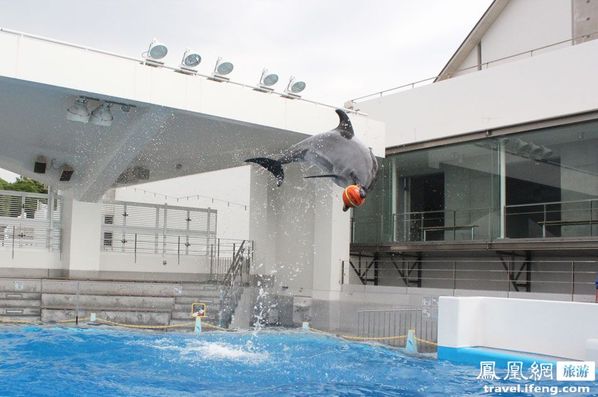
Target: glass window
537	184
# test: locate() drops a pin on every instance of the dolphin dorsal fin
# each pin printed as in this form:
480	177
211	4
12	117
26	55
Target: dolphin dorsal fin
344	126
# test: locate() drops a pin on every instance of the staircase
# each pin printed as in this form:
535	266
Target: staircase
127	302
20	300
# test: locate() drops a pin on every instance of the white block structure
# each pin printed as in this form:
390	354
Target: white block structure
520	326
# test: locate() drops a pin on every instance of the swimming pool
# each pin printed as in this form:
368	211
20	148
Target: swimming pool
41	361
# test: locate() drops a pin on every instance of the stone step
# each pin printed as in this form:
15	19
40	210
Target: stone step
20	295
19	318
188	300
203	286
112	288
112	303
181	307
20	311
6	303
18	285
124	317
210	293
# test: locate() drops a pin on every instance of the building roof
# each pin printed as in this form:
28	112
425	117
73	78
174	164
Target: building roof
473	39
164	124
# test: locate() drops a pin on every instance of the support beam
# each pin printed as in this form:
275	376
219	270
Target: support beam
118	155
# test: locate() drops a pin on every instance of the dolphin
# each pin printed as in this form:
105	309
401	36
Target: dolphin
338	153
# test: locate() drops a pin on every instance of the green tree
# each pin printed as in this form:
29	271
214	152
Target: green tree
24	184
10	205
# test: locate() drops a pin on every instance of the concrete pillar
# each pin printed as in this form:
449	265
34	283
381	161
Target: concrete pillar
332	236
81	224
301	234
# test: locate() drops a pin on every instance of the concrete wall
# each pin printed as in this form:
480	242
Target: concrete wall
30	259
548	85
300	232
529	326
153	263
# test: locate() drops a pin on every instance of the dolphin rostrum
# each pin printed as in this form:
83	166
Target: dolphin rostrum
337	153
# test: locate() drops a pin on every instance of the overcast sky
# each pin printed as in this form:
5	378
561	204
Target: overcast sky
342	49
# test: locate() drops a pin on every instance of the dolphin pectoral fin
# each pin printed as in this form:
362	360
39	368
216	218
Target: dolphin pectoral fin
274	166
344	126
321	176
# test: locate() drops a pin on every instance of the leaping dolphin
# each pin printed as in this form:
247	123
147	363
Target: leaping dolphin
338	153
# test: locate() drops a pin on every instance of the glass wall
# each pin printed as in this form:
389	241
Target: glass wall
536	184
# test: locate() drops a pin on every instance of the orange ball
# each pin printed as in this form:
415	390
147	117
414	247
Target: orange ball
352	197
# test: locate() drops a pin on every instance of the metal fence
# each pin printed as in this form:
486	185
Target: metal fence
30	221
154	228
562	219
142	228
392	326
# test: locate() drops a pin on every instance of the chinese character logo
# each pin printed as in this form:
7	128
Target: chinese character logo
487	370
515	371
540	371
575	370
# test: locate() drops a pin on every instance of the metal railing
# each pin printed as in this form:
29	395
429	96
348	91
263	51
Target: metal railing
233	281
509	275
575	218
443	225
483	65
395	325
30	221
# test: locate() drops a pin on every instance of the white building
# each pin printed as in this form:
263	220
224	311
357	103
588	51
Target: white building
490	177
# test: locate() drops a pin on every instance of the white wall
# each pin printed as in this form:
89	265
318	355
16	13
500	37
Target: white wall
527	24
551	328
153	263
282	227
229	188
81	235
29	259
522	26
553	84
301	233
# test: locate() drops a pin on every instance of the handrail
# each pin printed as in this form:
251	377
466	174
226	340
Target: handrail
235	266
552	203
229	288
154	205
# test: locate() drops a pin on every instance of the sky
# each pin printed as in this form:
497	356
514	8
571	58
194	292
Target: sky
342	49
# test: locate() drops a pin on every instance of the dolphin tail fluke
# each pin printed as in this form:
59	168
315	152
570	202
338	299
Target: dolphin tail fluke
274	166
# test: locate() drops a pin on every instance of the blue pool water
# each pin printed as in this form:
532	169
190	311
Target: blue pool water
107	362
